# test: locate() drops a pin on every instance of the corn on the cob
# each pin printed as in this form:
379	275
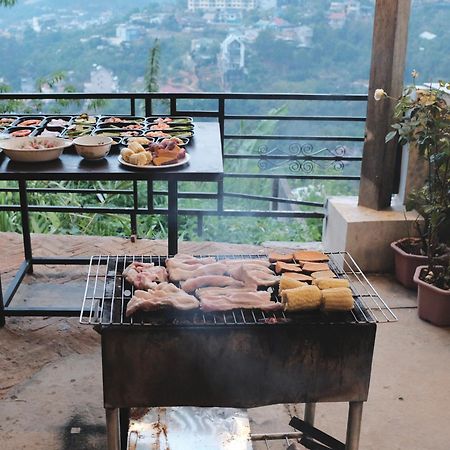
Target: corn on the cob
328	283
301	298
337	299
136	147
289	283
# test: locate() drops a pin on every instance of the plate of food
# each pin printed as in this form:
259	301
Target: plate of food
179	162
142	153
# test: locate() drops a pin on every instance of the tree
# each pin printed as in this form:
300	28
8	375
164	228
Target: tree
151	76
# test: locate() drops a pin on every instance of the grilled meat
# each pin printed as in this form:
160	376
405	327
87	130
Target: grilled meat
226	299
191	284
141	275
161	295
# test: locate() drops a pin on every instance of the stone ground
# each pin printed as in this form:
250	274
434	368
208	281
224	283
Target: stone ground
50	368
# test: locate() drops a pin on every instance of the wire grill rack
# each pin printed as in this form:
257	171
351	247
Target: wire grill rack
107	294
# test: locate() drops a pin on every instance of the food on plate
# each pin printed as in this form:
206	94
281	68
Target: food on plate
78	130
216	268
53	123
226	299
310	255
48	133
156	154
157	134
323	274
191	284
159	296
311	267
301	298
5	121
141	275
298	276
281	266
21	133
140	140
337	299
29	122
284	257
289	283
160	126
37	145
327	283
85	119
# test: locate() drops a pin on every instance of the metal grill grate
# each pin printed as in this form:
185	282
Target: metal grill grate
107	294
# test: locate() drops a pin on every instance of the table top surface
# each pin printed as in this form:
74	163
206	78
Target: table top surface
205	163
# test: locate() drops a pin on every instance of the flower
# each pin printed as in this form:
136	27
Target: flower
379	94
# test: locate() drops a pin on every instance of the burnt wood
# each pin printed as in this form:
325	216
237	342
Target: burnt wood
238	367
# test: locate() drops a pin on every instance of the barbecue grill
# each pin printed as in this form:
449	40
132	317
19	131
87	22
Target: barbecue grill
241	358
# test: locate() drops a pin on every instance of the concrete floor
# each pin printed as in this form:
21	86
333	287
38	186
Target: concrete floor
51	387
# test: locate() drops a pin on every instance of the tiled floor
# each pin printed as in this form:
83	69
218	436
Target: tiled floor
50	369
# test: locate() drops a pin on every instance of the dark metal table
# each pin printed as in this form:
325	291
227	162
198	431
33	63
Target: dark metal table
205	164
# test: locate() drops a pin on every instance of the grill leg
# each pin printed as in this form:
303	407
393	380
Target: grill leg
353	425
310	412
124	422
112	428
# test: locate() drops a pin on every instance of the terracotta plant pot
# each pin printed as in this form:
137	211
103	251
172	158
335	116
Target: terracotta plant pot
433	303
406	264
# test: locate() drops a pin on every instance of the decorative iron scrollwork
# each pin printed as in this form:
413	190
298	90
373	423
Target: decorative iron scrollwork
302	158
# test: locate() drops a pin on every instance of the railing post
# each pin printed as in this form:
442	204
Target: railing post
2	306
133	214
221	116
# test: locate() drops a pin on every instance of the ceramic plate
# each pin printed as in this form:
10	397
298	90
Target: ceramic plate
151	166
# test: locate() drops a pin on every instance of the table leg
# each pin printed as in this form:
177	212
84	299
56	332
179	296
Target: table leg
25	218
2	306
112	428
172	217
354	425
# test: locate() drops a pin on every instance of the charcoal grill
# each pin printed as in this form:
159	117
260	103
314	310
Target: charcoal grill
238	359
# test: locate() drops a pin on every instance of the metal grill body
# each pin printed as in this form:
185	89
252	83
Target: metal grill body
236	366
236	359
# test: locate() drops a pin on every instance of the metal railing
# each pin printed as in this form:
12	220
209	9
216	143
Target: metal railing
272	144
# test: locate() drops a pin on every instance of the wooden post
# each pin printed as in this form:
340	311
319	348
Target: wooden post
390	35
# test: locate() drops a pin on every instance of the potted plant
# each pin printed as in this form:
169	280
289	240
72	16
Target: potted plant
422	118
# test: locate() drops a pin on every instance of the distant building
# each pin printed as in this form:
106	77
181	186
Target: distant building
101	80
232	59
127	33
215	5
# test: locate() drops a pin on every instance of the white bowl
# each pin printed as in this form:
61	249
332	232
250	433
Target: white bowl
93	147
20	148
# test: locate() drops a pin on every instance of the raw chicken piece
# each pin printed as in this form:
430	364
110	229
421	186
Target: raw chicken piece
247	261
191	284
141	275
226	299
207	269
254	277
161	295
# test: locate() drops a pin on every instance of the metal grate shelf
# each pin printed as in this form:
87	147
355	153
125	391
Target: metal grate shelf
107	294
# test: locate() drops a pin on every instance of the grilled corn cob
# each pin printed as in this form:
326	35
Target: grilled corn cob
328	283
301	298
337	299
289	283
136	147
